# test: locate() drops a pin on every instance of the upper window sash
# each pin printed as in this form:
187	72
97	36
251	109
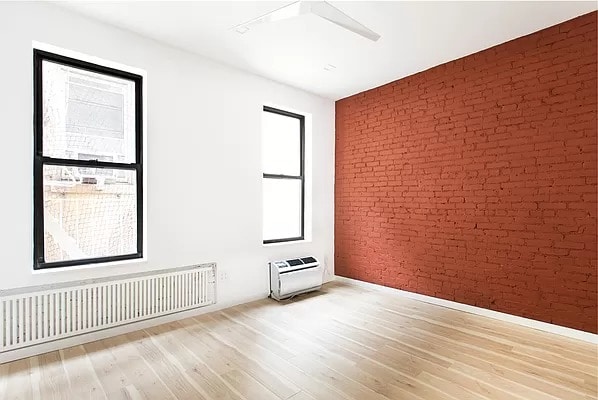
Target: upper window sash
282	143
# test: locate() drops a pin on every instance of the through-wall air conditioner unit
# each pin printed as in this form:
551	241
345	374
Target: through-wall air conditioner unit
295	276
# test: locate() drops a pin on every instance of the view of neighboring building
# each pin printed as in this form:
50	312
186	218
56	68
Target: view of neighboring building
88	116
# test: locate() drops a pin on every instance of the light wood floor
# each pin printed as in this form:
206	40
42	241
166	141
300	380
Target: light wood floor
343	343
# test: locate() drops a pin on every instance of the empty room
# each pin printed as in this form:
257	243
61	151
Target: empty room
309	200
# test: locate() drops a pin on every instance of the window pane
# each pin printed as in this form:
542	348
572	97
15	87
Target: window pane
89	213
281	144
282	208
87	115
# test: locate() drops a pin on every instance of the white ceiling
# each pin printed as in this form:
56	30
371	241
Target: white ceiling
415	36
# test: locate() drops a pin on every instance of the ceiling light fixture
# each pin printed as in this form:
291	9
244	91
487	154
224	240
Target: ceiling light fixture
320	8
329	67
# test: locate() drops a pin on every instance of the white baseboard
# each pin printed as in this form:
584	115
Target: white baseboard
42	348
530	323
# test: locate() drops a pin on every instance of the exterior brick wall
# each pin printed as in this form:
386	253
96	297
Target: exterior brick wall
475	181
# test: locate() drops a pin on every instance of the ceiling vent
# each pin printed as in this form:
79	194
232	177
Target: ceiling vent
320	8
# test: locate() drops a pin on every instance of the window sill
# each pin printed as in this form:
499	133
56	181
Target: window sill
290	242
135	261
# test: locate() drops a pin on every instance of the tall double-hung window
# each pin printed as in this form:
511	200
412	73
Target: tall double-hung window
283	165
88	166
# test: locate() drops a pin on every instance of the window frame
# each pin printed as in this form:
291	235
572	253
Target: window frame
301	175
39	160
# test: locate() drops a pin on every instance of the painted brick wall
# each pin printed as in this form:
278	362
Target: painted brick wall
475	181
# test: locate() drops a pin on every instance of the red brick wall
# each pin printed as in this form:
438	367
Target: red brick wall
475	181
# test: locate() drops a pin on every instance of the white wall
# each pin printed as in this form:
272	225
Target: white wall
203	152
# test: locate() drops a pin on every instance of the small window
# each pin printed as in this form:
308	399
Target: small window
88	170
283	135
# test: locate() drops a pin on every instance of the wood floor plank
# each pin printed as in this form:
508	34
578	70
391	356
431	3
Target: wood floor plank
504	332
480	388
538	358
249	387
169	372
3	379
301	396
309	384
341	343
486	362
330	353
171	338
53	382
35	378
352	388
534	370
348	368
558	370
18	382
277	384
146	382
132	393
340	362
113	380
83	382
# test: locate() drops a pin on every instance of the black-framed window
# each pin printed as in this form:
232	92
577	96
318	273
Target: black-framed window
283	165
88	162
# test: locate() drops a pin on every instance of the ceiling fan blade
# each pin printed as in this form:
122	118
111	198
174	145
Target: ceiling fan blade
289	11
336	16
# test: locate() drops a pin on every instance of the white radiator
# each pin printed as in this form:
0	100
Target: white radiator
30	316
